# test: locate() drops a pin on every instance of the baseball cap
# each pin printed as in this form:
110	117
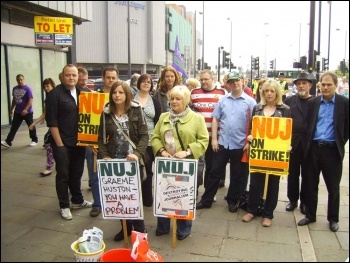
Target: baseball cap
233	76
281	74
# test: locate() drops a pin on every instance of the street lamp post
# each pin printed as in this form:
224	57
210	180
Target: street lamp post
329	28
202	13
346	35
230	44
265	24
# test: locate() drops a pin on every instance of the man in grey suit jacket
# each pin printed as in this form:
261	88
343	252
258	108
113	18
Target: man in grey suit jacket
328	132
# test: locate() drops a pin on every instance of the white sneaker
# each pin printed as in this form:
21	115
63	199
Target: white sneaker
65	213
4	143
33	144
214	200
85	204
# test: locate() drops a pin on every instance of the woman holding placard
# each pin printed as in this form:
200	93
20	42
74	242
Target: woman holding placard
180	133
123	112
271	105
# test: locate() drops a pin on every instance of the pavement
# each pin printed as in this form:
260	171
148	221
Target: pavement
33	230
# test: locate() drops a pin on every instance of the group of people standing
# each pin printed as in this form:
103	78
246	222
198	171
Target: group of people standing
177	122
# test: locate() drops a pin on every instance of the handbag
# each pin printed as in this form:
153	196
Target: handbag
141	161
201	161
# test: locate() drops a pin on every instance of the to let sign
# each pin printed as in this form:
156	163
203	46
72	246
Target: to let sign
54	25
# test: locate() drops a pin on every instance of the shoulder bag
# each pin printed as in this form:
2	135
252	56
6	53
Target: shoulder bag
201	161
141	161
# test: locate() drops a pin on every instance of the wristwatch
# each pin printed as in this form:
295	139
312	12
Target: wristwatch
188	153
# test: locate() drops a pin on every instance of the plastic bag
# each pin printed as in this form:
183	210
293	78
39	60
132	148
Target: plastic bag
140	250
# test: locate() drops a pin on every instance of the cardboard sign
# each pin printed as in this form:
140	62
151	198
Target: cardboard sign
91	106
120	189
269	150
175	187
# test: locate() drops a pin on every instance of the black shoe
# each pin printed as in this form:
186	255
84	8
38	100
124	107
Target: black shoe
160	233
200	205
222	183
291	206
233	207
305	221
120	235
302	208
182	237
333	226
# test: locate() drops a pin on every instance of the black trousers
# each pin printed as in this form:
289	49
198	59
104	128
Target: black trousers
297	169
209	158
256	190
326	160
238	175
16	122
147	192
69	168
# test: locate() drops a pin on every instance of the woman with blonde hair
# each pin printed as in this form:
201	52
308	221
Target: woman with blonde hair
192	144
168	79
192	83
270	105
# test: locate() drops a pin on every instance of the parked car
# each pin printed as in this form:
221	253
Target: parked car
91	84
98	83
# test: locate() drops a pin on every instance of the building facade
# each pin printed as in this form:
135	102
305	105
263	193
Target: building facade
102	37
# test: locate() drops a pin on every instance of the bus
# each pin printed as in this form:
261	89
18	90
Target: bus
289	75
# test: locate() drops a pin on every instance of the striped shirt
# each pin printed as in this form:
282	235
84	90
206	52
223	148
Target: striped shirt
204	102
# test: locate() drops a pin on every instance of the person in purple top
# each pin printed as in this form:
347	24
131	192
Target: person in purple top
21	110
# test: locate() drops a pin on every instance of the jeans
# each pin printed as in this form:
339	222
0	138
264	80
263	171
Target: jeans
16	122
69	168
89	157
183	226
93	177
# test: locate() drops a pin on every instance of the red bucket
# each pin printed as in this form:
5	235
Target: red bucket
117	255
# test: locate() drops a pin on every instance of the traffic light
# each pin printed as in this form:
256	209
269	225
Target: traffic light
342	66
325	65
303	62
199	64
256	63
232	66
272	64
226	59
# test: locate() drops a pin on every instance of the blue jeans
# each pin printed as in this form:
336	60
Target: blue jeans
183	226
93	178
89	157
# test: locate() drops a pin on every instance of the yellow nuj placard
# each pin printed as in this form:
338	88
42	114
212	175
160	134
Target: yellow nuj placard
53	25
90	109
269	150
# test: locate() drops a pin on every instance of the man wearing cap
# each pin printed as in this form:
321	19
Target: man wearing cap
297	164
233	112
328	132
284	85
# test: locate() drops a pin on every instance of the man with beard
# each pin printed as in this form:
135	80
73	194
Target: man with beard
298	107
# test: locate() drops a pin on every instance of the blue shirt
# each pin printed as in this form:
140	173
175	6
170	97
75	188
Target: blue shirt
325	123
232	114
